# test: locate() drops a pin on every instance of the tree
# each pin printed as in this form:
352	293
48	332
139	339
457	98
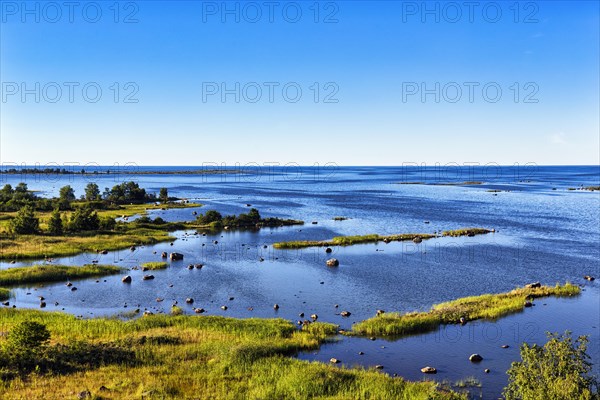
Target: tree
163	195
558	370
55	223
92	192
210	216
65	196
21	188
84	219
25	221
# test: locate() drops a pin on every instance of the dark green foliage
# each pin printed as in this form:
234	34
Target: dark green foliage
250	220
127	193
25	222
163	195
55	224
84	219
558	370
92	192
107	223
66	195
210	216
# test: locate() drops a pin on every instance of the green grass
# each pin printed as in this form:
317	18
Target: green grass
4	294
351	240
205	357
155	265
487	306
53	273
466	231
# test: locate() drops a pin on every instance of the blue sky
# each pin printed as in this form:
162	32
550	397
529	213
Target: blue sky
367	59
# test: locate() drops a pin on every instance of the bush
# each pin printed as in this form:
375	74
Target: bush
27	336
25	221
107	223
558	370
55	224
84	219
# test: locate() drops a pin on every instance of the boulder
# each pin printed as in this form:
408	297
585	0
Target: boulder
148	277
528	304
314	317
275	306
589	278
533	285
126	279
164	254
328	250
334	360
379	366
104	252
462	320
417	239
176	256
224	308
475	358
429	370
487	371
332	262
379	312
345	313
199	310
189	300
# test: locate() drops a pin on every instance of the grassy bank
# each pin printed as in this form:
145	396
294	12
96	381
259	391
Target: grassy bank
466	232
351	240
53	273
4	294
22	247
208	357
154	265
487	306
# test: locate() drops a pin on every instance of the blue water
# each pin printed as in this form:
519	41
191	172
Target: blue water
544	232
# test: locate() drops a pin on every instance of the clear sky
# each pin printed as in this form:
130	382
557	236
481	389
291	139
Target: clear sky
397	82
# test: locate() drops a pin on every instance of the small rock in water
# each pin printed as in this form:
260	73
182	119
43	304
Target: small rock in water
475	358
189	300
379	312
334	360
224	308
361	353
505	346
276	306
528	304
429	370
332	262
487	371
378	366
533	285
73	289
589	278
345	313
314	317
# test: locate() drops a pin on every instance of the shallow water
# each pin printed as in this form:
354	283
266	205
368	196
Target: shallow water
541	234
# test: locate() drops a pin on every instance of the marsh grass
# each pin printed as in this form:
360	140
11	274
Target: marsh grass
351	240
53	273
487	306
154	265
466	231
4	294
206	357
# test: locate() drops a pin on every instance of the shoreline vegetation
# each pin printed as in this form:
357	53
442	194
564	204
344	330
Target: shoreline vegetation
117	171
33	227
375	238
168	356
460	311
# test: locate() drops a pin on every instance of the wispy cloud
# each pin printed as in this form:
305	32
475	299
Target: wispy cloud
558	138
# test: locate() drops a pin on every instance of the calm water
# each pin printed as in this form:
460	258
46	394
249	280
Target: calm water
544	232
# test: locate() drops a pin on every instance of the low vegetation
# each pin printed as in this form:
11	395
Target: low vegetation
214	220
466	232
152	266
351	240
487	306
172	357
53	273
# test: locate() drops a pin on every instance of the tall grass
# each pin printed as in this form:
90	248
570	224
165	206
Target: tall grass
487	306
4	294
154	265
206	357
53	273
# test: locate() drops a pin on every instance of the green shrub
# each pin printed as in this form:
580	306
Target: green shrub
558	370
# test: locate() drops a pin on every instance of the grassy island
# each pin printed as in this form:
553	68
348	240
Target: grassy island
174	357
487	306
